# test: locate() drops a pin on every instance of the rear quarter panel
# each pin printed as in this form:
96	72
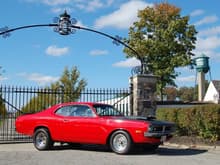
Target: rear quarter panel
26	124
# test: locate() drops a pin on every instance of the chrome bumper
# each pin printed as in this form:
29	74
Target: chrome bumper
160	131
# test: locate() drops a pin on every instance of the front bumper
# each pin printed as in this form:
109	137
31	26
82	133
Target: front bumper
157	134
160	130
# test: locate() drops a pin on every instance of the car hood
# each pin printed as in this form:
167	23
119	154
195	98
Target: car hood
151	120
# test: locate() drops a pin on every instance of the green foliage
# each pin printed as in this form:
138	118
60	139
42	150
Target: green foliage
171	93
68	88
71	84
42	100
163	39
202	121
3	110
187	94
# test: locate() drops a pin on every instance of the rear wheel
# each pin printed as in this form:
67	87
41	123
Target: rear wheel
42	140
120	142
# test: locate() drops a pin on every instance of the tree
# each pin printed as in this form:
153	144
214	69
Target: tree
3	110
70	84
163	40
67	88
187	94
190	93
171	93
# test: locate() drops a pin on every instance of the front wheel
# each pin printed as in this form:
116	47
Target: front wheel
42	140
120	142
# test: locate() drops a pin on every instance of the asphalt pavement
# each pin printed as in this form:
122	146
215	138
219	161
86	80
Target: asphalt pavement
26	154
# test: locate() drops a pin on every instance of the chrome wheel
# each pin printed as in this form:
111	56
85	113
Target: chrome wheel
120	142
41	140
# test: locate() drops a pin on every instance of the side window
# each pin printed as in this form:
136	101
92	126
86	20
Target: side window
83	111
75	110
64	111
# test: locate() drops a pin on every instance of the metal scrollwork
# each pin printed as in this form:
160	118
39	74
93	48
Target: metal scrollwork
117	40
4	32
136	70
65	25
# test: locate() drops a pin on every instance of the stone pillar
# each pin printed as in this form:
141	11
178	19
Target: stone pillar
143	95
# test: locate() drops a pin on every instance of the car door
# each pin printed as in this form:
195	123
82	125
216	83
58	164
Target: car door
78	123
85	125
64	124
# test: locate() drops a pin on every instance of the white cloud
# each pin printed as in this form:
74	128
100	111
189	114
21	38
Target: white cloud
59	10
130	62
110	2
55	2
98	52
86	5
209	43
207	20
123	17
79	23
186	79
208	46
2	78
39	78
214	55
93	5
53	50
197	12
209	32
51	2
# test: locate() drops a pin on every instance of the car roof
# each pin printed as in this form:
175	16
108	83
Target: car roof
82	103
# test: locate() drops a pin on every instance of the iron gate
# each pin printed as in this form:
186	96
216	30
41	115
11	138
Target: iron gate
17	100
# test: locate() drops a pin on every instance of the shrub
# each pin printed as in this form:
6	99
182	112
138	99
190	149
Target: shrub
202	121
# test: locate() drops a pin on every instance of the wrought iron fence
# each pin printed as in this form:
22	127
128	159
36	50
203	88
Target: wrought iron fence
17	100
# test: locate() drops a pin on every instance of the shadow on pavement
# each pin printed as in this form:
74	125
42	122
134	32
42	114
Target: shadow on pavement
163	151
179	151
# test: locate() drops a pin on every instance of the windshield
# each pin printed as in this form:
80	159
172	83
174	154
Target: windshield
106	110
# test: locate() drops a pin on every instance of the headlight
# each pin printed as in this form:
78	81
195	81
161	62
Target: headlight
150	128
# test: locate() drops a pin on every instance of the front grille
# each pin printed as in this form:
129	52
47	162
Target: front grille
160	128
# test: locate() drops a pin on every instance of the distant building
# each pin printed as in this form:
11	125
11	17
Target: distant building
213	92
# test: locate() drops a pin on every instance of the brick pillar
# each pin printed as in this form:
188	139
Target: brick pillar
143	98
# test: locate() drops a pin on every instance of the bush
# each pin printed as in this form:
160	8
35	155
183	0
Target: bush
202	121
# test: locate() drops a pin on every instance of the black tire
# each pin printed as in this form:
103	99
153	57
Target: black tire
120	142
42	140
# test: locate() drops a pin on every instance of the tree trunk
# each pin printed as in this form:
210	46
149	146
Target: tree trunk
161	93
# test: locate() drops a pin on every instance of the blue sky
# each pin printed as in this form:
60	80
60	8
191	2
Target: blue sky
37	56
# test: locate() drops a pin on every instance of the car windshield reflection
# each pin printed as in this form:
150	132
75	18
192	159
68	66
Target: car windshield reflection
106	110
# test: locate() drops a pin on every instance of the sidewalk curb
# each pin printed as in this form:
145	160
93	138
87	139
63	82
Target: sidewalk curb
192	146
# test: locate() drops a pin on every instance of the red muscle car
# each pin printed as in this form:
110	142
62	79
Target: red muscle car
92	123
